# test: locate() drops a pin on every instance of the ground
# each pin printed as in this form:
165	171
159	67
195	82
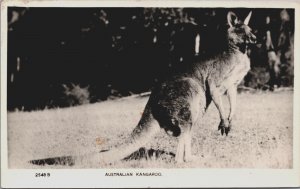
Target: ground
261	137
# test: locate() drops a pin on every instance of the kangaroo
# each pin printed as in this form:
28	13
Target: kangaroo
176	104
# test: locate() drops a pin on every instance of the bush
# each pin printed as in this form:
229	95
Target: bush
76	95
257	78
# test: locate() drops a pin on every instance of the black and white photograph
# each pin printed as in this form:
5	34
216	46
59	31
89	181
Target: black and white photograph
148	87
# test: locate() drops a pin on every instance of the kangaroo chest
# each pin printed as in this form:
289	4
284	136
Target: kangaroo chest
240	72
240	65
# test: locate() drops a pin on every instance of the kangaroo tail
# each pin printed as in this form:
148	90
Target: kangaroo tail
142	133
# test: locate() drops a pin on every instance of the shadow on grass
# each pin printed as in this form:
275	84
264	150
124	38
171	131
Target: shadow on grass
142	153
63	160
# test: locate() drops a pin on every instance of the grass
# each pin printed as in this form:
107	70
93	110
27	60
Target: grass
261	137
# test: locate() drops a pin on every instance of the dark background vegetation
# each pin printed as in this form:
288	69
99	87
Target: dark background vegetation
59	57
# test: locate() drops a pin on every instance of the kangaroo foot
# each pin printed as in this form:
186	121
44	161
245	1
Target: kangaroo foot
190	158
178	160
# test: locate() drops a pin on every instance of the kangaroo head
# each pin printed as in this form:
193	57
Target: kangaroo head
239	33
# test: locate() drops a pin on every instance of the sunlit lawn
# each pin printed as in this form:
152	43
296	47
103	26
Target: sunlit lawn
261	137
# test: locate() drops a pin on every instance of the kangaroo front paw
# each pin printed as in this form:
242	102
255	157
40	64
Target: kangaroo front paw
220	127
224	127
227	129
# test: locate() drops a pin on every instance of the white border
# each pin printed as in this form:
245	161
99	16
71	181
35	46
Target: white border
77	178
154	3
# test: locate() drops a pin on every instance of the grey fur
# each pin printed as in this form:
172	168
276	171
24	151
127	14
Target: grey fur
177	103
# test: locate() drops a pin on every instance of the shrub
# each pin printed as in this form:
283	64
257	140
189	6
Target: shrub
257	78
76	95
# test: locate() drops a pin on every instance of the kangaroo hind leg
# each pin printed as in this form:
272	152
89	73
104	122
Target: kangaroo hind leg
184	148
188	157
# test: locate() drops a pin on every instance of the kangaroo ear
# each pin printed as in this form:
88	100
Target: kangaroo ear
247	19
232	19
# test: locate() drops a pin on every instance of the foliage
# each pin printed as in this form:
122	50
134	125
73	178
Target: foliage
76	95
121	51
257	78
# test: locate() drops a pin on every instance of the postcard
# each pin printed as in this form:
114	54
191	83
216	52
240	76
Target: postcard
136	94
